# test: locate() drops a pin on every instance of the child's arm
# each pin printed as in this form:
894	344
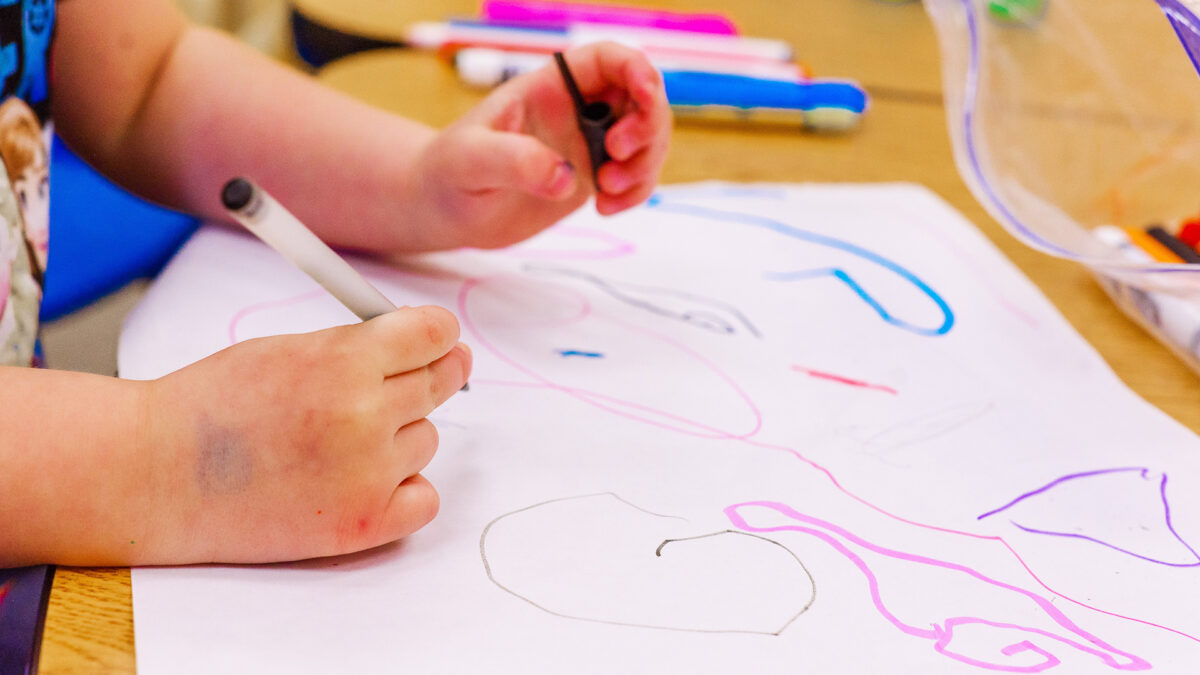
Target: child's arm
174	111
274	449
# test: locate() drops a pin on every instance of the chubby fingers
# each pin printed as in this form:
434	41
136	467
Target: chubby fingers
414	445
637	144
603	66
413	394
626	184
406	339
496	159
413	504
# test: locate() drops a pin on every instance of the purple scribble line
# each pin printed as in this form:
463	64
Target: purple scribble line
1047	486
943	634
746	438
1145	473
542	382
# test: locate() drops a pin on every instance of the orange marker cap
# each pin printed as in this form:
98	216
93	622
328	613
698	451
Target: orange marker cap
1150	245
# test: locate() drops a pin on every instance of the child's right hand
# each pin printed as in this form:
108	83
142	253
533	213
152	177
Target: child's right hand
301	446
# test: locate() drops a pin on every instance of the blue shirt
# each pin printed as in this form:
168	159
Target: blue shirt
26	35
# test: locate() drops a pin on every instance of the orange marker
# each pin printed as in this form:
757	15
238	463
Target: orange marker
1150	245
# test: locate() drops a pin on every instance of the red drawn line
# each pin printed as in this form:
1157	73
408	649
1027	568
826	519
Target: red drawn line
845	380
4	590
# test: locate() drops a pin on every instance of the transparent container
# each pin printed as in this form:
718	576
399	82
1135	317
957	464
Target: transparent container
1072	115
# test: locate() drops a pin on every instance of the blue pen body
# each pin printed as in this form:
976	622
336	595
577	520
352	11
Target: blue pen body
688	88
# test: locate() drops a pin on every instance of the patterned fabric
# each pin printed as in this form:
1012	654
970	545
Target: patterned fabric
26	33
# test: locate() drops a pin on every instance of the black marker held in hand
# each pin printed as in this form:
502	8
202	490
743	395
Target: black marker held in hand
594	118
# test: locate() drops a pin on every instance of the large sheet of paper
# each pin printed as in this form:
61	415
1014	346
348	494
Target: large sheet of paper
771	429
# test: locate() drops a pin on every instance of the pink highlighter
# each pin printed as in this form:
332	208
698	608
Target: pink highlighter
547	12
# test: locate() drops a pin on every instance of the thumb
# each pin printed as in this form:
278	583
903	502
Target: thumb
515	161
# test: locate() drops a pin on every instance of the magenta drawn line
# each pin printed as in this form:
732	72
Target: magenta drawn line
844	380
1144	473
690	427
687	426
833	480
942	635
270	304
616	247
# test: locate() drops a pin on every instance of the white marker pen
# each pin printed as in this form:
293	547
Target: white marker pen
275	225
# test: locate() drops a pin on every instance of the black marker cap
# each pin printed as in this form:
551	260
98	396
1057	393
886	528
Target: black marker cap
236	194
594	121
594	118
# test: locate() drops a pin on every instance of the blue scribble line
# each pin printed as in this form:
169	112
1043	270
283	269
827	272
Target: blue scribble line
657	202
576	352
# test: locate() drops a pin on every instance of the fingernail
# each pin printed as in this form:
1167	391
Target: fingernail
562	180
468	358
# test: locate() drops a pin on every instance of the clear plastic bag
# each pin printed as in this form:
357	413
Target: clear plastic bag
1085	114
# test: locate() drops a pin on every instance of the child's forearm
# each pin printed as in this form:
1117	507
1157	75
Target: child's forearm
76	457
173	112
278	448
177	110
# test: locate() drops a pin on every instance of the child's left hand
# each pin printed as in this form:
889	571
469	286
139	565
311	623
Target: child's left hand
517	163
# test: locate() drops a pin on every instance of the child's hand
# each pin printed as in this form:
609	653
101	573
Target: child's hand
302	445
518	163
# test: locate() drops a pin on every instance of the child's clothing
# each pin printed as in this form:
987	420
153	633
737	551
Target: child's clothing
26	33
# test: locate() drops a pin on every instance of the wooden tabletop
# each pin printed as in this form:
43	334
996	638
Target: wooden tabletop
902	138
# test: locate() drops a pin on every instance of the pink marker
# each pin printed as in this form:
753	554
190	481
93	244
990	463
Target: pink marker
547	12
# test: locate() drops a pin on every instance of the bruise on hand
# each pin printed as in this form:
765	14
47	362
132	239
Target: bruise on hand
224	464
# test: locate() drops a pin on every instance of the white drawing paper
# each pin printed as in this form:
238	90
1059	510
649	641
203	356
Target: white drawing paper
743	428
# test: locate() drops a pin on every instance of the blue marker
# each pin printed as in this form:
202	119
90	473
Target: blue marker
818	103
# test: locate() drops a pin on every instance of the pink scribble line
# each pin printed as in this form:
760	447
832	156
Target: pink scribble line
844	380
617	247
587	397
970	535
689	427
545	383
270	304
942	634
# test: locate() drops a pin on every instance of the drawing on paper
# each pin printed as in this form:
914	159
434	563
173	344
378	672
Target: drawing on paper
756	396
1133	501
659	203
705	313
601	559
1029	653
